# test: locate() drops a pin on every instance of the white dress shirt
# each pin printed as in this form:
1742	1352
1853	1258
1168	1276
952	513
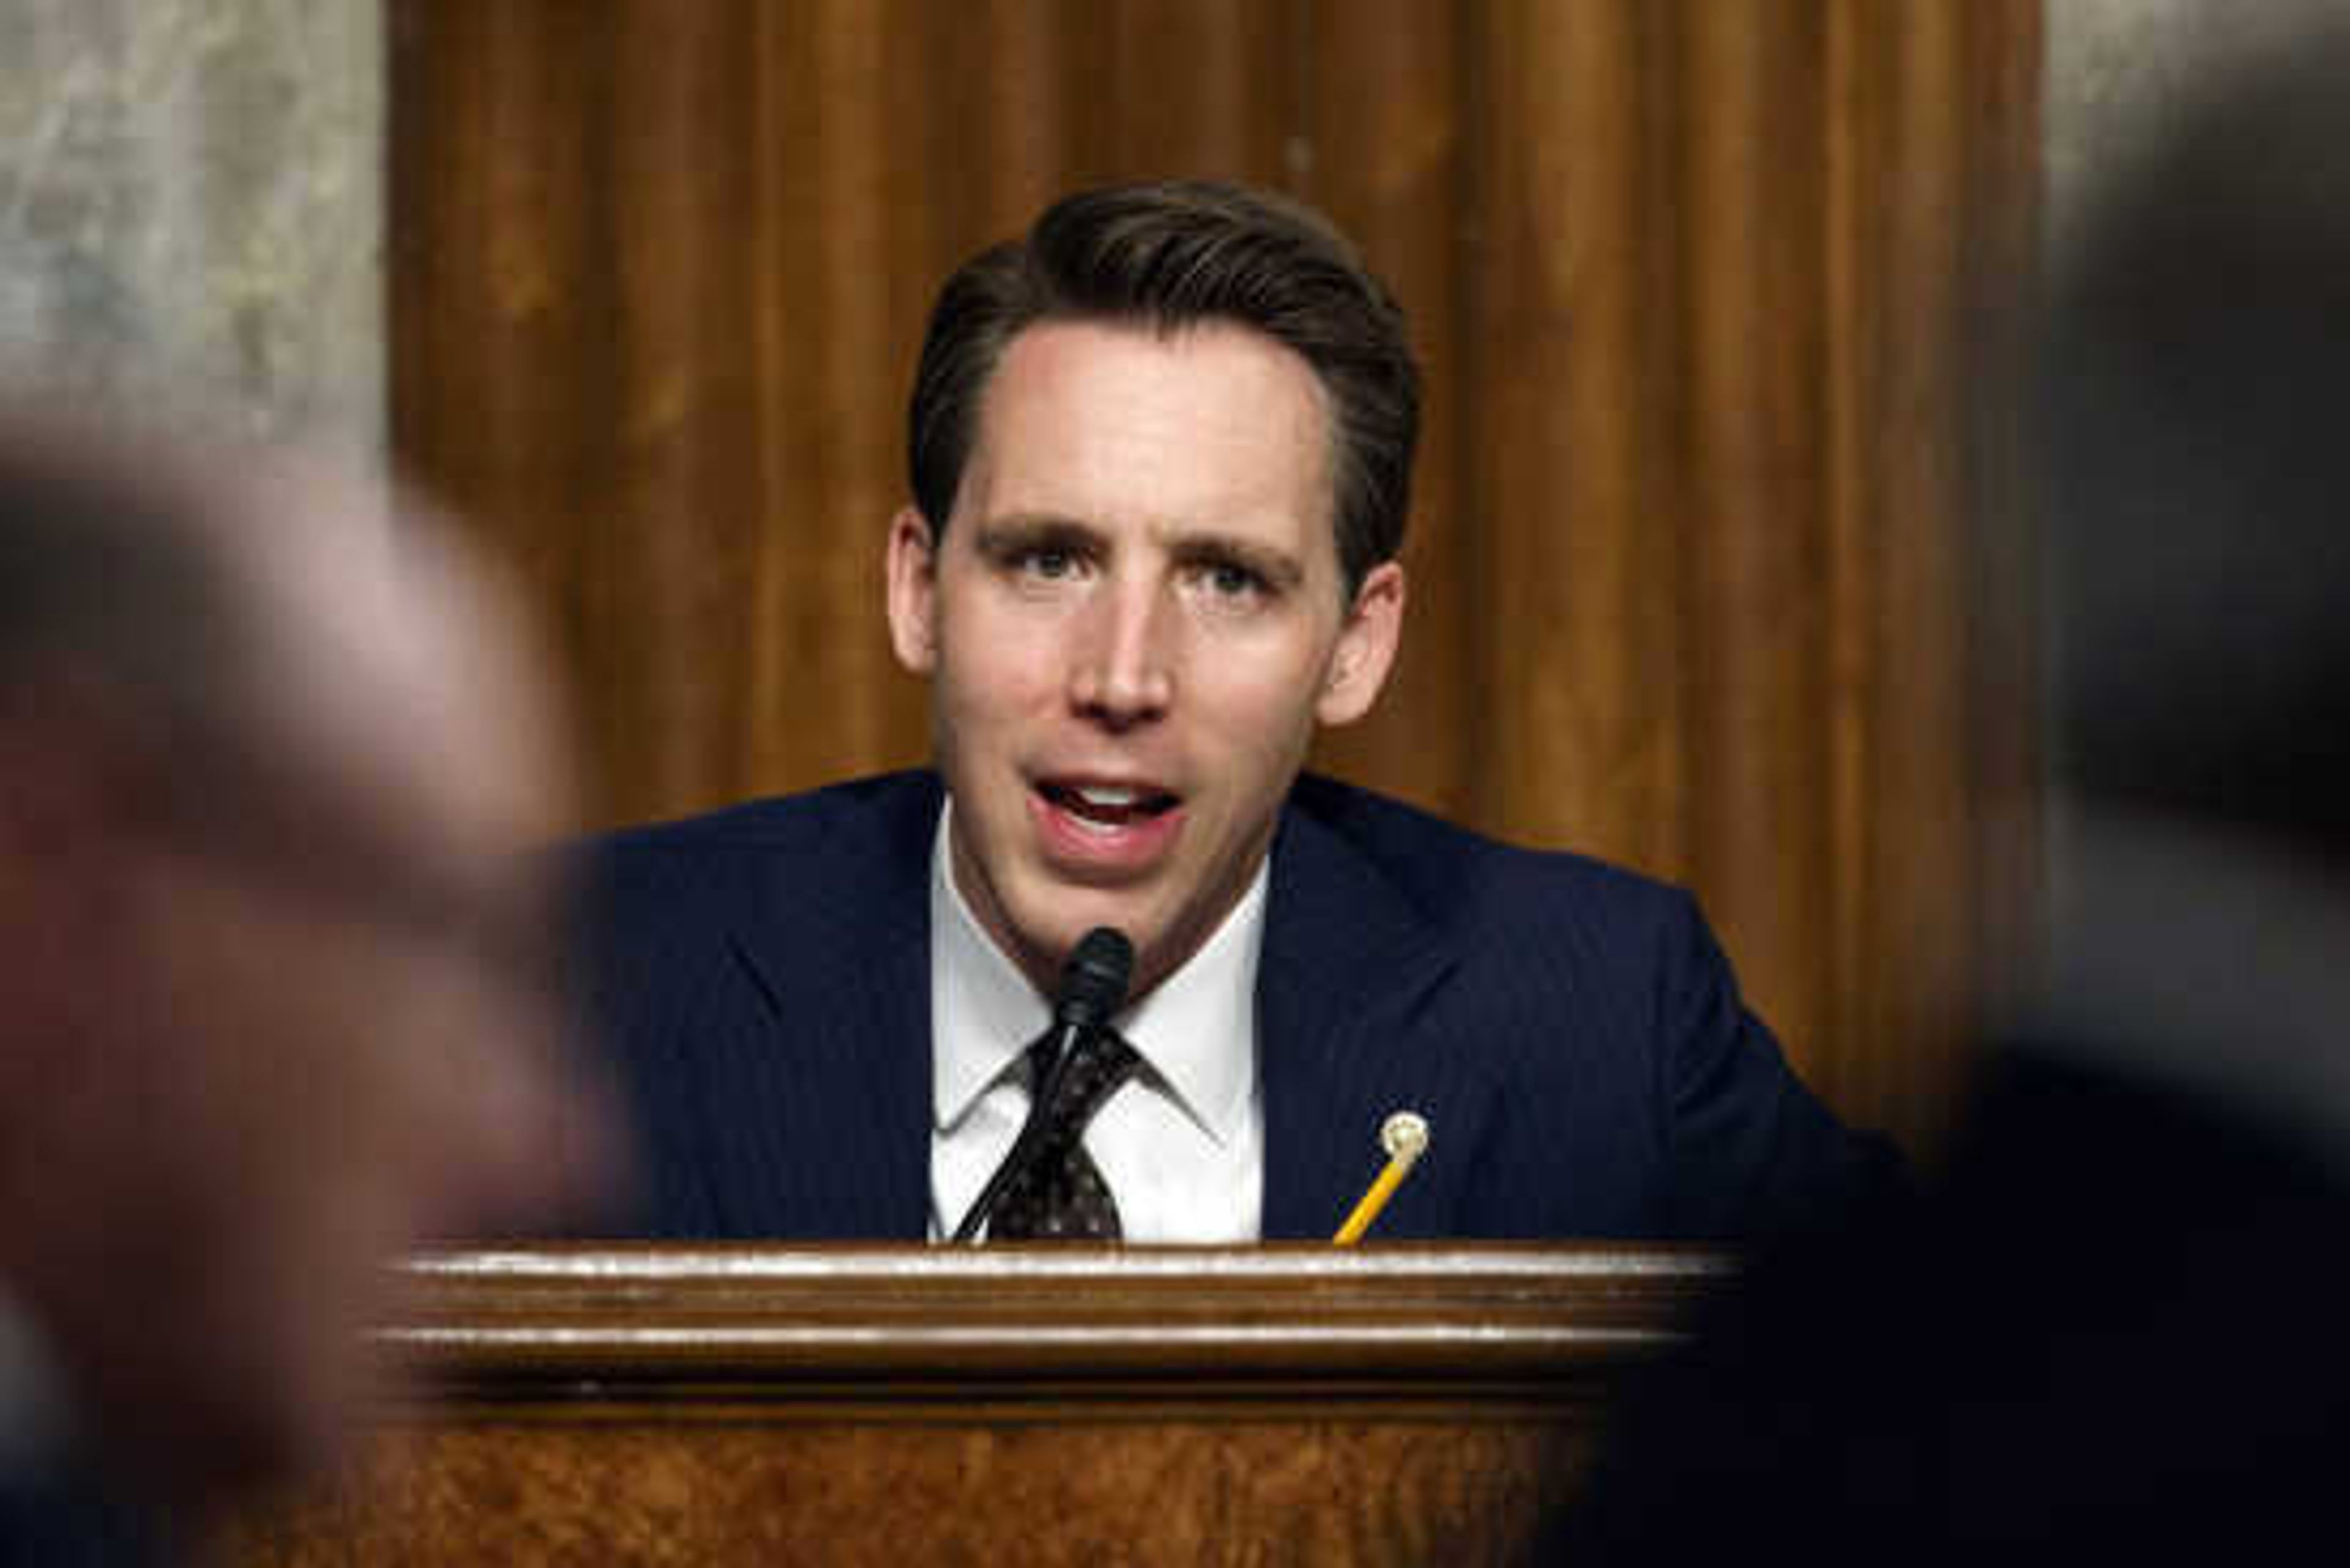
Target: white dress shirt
1181	1144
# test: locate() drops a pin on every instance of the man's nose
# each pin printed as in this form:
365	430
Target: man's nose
1124	671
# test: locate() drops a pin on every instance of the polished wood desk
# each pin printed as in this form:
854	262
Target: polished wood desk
915	1405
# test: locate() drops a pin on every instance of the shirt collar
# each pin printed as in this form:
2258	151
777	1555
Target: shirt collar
1196	1031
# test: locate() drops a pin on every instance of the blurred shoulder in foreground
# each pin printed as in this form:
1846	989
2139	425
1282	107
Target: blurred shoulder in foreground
2118	1328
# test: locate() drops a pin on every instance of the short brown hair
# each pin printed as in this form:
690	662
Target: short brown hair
1167	255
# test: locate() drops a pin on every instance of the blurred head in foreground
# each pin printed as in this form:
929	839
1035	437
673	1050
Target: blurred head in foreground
2196	403
2196	456
271	750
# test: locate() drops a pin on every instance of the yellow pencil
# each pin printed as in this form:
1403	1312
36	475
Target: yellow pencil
1405	1138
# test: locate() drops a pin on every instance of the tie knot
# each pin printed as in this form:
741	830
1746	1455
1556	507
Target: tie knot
1098	1064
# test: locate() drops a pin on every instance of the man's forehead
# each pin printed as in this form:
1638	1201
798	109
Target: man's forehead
1078	354
1200	419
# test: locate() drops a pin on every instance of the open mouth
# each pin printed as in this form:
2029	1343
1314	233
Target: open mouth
1107	806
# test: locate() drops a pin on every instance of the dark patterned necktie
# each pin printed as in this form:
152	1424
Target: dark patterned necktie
1061	1196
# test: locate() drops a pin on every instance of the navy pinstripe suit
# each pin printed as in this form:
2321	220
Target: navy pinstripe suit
1570	1030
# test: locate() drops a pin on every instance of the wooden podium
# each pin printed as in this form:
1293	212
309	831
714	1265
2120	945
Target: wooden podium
1007	1405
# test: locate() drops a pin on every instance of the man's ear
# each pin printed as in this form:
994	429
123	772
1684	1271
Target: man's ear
1367	647
913	571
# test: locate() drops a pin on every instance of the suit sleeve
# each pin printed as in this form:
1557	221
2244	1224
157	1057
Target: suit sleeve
1753	1152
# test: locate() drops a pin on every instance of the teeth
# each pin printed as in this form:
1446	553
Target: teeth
1094	794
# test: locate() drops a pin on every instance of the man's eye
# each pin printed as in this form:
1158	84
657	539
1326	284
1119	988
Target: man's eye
1227	581
1049	562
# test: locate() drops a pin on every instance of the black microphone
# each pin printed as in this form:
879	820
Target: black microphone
1093	980
1093	986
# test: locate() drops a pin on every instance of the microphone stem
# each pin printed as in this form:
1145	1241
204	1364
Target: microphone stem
1066	1037
1093	983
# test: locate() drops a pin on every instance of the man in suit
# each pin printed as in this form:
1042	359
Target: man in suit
270	754
1161	454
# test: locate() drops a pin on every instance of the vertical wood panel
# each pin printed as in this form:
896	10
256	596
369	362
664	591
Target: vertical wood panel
1580	400
1692	279
834	277
1200	86
1381	150
1757	614
676	552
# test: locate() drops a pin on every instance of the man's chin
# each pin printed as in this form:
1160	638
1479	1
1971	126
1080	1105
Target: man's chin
1062	936
1066	915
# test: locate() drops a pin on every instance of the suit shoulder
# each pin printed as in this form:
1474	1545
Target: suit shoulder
1444	866
812	822
769	863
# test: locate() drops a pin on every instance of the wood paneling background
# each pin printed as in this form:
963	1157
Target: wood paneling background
1699	285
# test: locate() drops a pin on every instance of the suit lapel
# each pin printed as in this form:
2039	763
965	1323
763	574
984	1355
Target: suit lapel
844	969
1349	966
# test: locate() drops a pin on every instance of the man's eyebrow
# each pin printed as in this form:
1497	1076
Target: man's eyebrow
1277	566
1034	530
